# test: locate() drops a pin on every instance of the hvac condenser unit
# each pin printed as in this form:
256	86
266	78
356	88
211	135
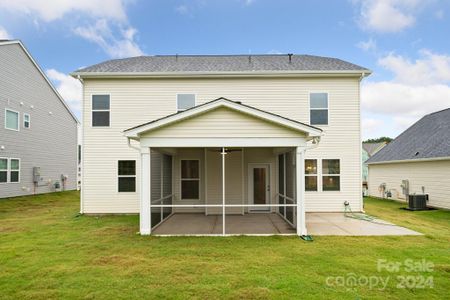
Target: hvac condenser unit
417	202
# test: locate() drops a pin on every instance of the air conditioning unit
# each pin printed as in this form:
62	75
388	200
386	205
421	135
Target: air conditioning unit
417	202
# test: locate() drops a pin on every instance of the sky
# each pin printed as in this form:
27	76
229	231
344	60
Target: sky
406	43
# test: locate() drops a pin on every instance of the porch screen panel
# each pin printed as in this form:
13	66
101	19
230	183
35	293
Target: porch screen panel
156	191
281	183
167	183
290	185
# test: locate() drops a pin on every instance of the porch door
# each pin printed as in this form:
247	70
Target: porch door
259	186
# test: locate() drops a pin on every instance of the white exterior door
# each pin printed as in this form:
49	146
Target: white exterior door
259	186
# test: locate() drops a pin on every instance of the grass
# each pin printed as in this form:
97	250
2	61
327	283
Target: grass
47	251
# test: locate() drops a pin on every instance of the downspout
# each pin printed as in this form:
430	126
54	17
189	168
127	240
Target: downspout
82	150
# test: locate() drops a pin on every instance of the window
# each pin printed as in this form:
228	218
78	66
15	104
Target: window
331	175
127	176
26	121
190	180
318	109
9	170
310	175
14	173
11	120
185	101
100	110
3	170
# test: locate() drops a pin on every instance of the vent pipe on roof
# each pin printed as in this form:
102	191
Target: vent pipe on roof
290	57
176	57
249	59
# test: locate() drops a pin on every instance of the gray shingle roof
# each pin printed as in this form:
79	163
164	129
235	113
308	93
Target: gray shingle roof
427	138
221	63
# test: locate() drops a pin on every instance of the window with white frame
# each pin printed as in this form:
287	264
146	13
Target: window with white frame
311	175
318	103
190	179
9	170
3	170
127	176
11	119
331	179
100	110
185	101
14	170
26	121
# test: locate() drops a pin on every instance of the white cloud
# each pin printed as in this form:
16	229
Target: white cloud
369	45
51	10
4	35
182	9
101	34
388	15
370	126
439	14
68	87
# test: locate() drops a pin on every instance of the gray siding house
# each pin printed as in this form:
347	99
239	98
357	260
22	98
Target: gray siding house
38	132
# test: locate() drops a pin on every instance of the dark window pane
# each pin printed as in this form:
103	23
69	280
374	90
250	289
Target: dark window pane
319	100
310	166
3	163
156	215
281	174
331	183
127	184
290	213
319	117
14	176
3	176
127	167
190	169
310	183
15	164
100	118
190	189
100	102
330	166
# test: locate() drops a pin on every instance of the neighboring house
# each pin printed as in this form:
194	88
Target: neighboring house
238	134
368	150
416	162
38	132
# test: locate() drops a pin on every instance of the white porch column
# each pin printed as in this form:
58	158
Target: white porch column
145	209
300	190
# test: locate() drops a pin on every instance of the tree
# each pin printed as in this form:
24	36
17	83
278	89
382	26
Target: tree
379	140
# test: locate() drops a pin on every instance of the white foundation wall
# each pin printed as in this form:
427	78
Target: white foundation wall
433	175
137	101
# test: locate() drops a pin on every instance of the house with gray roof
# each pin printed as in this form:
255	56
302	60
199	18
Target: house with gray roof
221	144
38	131
416	162
368	150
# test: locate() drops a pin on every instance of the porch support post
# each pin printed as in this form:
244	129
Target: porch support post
145	203
223	190
300	191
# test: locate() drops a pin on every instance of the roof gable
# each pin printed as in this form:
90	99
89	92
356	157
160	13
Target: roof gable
236	108
428	138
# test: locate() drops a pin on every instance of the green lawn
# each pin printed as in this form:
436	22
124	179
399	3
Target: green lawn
48	251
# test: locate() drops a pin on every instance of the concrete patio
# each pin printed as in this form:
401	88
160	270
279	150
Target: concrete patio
271	223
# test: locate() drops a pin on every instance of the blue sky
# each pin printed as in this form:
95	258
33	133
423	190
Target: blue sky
405	42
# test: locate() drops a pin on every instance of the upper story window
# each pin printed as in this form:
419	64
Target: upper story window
331	179
318	103
100	110
26	121
185	101
11	120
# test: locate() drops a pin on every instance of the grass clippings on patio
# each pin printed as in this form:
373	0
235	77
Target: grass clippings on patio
48	251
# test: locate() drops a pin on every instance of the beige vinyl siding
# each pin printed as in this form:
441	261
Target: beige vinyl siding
223	122
137	101
433	175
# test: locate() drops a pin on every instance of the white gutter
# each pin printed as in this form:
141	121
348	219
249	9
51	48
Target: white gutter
410	160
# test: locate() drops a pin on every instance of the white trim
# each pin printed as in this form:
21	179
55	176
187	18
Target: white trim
410	160
187	142
250	186
327	109
100	110
176	101
18	119
300	191
145	215
29	122
43	75
136	132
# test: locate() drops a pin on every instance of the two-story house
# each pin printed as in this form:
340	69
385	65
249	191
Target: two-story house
221	144
38	132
